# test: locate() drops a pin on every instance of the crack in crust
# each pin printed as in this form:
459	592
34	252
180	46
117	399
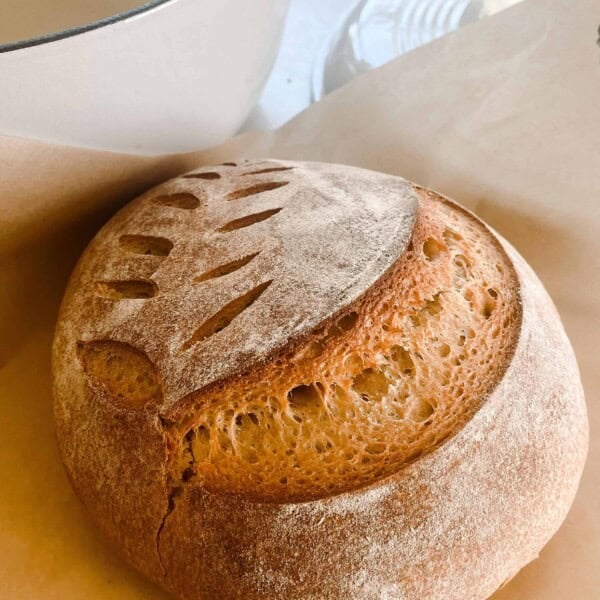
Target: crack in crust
173	494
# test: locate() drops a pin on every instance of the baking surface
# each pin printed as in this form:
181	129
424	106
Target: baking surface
510	130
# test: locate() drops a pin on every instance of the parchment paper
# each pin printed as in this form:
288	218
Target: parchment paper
503	116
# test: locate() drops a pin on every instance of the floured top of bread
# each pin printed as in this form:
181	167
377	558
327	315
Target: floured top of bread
297	329
216	269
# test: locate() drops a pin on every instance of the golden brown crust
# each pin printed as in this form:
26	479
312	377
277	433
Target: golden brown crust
376	386
456	523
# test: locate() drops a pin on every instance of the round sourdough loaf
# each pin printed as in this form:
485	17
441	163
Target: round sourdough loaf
299	380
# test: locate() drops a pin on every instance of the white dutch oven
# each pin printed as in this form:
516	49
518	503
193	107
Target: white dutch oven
165	76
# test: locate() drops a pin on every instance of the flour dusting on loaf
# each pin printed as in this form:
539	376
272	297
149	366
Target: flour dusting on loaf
299	380
334	232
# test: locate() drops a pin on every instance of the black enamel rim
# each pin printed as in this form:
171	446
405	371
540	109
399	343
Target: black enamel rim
61	35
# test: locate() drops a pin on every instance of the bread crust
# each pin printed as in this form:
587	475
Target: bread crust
456	523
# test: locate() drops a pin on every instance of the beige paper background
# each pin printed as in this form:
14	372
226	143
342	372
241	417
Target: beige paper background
503	116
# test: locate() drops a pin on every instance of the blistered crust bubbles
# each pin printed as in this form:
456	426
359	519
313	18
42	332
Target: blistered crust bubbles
379	384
